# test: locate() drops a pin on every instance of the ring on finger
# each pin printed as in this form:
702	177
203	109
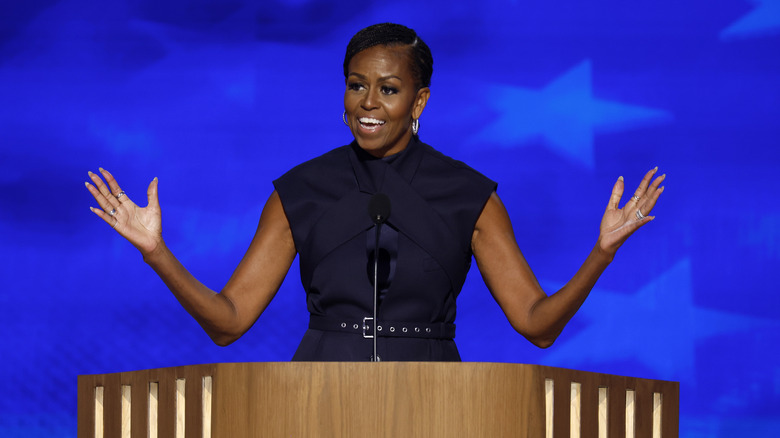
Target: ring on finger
122	193
112	212
639	214
635	198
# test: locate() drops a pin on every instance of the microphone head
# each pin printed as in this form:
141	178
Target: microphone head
379	208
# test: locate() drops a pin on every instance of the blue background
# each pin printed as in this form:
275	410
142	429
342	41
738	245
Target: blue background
554	100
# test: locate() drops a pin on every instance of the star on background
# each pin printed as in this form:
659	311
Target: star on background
657	326
564	113
763	20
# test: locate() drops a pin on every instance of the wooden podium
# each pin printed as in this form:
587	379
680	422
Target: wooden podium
386	399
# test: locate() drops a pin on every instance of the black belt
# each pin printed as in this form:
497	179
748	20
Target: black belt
396	329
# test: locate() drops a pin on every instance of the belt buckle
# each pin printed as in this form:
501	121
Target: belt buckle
365	327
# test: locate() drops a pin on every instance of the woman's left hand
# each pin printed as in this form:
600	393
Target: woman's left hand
619	223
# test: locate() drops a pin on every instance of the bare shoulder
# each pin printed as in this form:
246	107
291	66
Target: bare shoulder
493	223
274	226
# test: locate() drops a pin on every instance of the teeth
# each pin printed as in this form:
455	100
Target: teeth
370	121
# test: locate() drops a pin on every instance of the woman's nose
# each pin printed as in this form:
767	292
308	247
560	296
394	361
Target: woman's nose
370	100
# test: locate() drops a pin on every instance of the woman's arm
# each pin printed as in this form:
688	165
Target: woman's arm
227	315
538	317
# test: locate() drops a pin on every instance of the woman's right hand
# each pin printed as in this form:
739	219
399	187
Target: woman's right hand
141	226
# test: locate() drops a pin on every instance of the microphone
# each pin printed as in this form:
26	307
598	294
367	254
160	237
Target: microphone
378	211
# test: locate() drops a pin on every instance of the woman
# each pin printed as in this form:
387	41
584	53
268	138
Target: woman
443	212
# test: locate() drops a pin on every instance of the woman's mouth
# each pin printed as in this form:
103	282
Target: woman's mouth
370	124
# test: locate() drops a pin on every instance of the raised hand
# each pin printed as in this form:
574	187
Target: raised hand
619	223
141	226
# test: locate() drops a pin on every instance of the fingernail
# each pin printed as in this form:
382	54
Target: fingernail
86	184
90	209
155	178
100	169
89	173
620	178
655	169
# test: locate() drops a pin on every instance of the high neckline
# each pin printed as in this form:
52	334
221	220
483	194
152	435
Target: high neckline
370	170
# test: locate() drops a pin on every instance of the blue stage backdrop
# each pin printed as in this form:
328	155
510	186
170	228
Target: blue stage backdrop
554	100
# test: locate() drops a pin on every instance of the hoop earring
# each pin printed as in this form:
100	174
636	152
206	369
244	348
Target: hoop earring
415	126
344	118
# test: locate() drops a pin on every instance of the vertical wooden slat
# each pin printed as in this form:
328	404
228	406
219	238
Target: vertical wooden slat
658	401
603	412
549	407
630	413
127	407
99	409
206	407
575	410
180	408
153	410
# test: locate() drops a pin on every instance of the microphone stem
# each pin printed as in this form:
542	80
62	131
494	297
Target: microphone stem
374	358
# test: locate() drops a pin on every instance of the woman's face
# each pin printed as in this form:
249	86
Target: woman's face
382	99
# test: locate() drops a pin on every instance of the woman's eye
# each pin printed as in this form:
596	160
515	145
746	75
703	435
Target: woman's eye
354	86
389	90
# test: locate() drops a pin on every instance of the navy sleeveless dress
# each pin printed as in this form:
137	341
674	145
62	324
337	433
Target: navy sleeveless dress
425	256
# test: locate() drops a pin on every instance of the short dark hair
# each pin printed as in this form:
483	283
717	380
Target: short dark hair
391	34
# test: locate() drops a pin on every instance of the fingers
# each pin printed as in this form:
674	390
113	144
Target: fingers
107	203
617	193
103	195
647	195
652	194
116	191
109	197
642	189
638	223
108	210
107	218
654	186
643	200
